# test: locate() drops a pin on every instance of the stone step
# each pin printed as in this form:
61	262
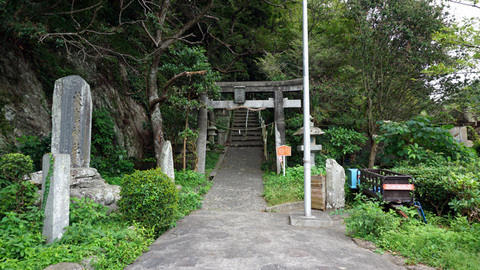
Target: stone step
246	132
246	144
242	122
250	136
249	128
255	136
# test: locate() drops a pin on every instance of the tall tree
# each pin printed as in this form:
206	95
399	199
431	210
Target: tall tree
391	46
130	30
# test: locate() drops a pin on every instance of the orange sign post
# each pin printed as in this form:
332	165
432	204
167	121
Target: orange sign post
282	153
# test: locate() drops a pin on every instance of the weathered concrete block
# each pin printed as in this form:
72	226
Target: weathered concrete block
72	119
166	160
335	185
57	189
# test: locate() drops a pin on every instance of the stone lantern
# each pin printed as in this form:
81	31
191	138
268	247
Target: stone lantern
314	147
212	132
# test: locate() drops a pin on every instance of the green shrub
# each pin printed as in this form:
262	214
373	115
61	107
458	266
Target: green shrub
17	197
367	220
342	143
19	232
194	185
85	210
418	140
13	167
107	156
150	198
15	193
447	188
453	246
34	147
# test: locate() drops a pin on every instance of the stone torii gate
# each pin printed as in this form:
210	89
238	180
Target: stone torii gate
239	89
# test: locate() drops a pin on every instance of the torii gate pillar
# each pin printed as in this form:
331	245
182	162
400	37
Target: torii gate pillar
279	124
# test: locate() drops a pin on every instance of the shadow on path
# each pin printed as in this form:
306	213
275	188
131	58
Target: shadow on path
232	232
238	185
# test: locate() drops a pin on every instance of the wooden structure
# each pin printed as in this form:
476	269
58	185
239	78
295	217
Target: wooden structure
393	187
318	192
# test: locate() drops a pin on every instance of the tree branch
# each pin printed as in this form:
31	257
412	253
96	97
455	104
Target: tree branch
77	10
161	99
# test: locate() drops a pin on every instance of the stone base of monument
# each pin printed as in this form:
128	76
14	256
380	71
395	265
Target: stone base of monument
317	219
87	183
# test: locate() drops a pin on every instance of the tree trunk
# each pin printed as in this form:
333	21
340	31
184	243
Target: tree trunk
202	134
373	153
155	114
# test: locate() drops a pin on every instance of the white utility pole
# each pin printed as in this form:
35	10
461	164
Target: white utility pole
306	117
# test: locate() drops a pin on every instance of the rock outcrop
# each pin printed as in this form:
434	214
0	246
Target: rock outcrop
87	183
25	103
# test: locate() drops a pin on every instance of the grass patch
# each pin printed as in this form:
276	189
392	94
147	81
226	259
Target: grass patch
211	160
108	241
453	244
279	189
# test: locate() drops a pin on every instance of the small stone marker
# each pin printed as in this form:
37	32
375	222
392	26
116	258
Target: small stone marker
72	119
57	187
239	94
166	160
335	185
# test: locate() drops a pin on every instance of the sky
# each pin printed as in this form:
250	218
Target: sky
462	11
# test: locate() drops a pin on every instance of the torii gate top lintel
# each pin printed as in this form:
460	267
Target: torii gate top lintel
262	86
240	88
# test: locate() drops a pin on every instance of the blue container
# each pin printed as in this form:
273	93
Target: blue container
353	178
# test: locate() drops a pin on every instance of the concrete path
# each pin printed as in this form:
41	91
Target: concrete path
232	232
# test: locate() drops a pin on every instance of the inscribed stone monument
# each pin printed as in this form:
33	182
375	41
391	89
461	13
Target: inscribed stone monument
56	189
335	185
72	119
166	160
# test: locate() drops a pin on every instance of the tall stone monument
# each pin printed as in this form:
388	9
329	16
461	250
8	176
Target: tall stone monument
72	120
55	195
166	160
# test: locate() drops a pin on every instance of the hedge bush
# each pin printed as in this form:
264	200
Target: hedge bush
13	167
447	188
150	198
15	193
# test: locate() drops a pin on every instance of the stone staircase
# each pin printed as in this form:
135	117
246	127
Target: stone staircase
246	132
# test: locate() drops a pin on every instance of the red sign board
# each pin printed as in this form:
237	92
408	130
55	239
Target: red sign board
284	150
398	187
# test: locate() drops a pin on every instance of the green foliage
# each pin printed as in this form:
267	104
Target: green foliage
194	186
84	210
17	197
447	247
342	143
211	160
111	241
367	220
467	194
15	193
19	232
447	187
278	189
34	147
13	167
419	141
150	198
108	157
